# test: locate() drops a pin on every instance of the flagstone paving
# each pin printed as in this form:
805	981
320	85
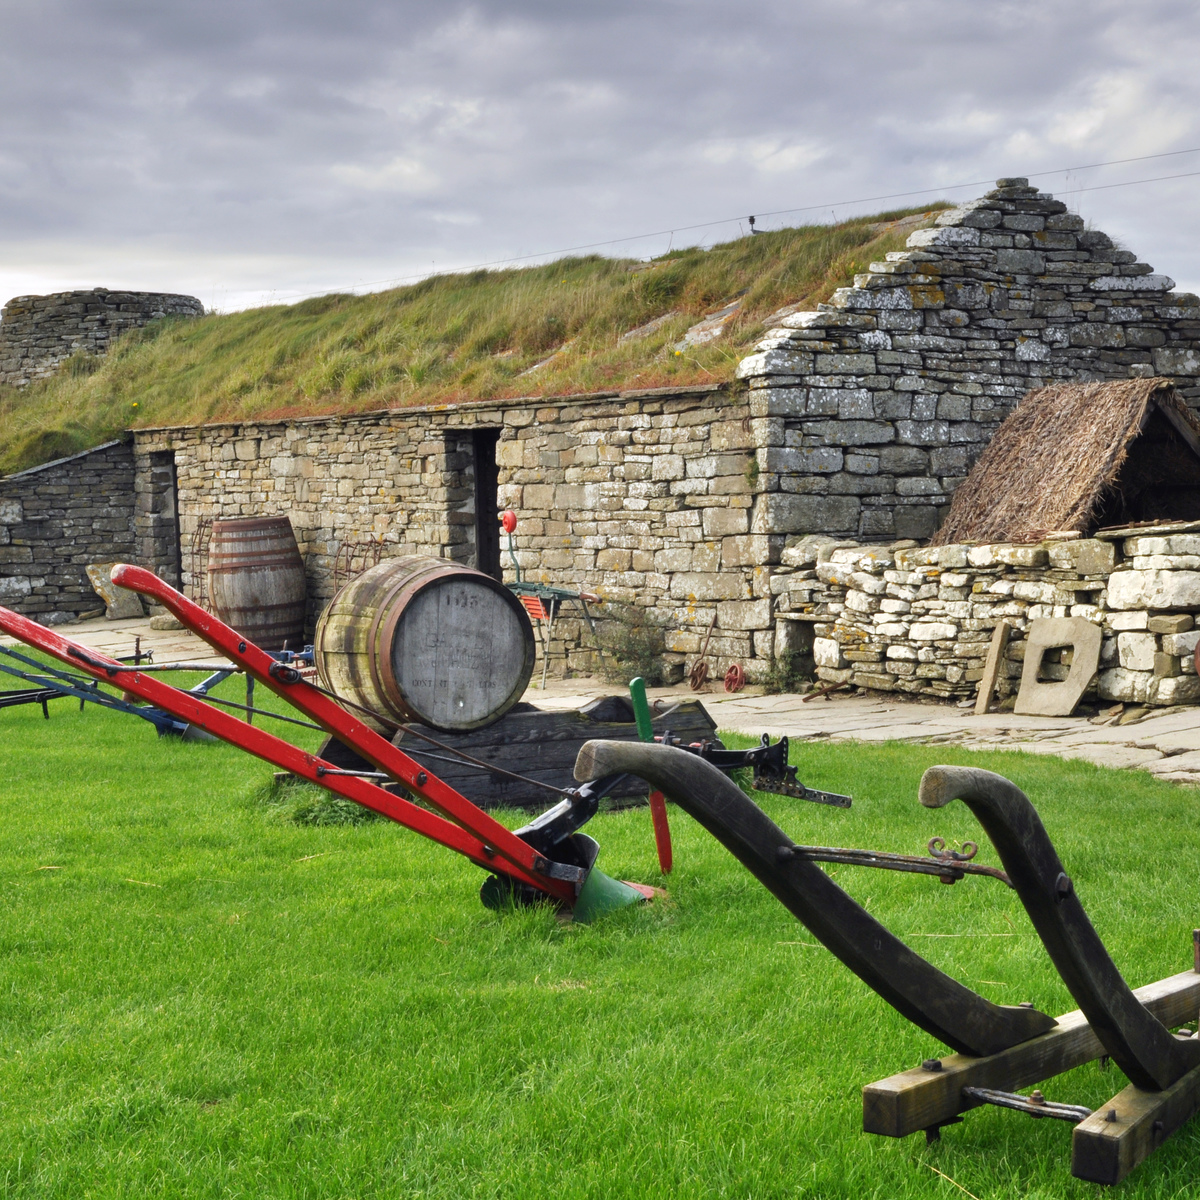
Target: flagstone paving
1165	742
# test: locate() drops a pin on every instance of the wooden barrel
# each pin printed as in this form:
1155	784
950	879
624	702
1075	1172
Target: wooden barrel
256	580
425	639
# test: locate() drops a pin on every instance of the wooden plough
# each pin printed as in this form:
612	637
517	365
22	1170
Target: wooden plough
997	1048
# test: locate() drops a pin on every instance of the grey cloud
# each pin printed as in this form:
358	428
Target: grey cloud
301	146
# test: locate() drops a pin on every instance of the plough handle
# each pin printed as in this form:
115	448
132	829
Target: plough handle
346	728
930	999
194	711
1135	1039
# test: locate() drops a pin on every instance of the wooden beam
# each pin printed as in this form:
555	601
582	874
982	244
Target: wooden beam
923	1099
1129	1128
1179	424
991	668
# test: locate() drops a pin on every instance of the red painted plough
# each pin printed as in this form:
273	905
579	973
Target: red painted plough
547	859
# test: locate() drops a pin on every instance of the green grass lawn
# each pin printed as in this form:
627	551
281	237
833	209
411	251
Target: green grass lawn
207	999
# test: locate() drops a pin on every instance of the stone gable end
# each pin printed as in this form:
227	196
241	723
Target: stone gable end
872	409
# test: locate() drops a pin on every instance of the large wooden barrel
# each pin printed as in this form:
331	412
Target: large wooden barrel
256	580
425	639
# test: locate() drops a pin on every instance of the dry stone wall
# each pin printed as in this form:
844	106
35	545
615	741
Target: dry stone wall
38	332
397	480
906	619
645	497
872	409
57	518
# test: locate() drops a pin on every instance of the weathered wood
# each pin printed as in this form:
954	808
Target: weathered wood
1106	1146
921	1099
942	1006
541	744
991	667
256	580
425	639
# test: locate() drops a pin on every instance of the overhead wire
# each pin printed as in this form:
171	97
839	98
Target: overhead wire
945	187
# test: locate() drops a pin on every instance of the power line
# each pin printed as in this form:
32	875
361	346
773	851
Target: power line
779	212
1100	187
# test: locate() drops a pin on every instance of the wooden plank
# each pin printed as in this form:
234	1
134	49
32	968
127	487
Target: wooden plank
921	1099
991	668
541	744
544	745
1129	1128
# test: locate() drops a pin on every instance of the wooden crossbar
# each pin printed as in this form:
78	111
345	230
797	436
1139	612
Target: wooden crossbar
1106	1146
924	1099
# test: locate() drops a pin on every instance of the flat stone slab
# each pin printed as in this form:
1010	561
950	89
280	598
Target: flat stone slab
1167	746
120	602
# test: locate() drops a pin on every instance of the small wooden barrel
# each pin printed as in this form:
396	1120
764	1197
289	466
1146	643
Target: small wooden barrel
256	580
425	639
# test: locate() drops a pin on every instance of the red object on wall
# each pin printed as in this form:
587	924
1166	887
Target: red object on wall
735	678
508	520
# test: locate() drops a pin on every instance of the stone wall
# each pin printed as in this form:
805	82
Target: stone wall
874	408
645	497
57	518
906	619
857	421
38	332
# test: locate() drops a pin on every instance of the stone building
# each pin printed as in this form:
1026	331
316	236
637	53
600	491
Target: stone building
856	421
57	518
873	409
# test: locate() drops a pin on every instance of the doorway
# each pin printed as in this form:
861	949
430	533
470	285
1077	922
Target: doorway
487	504
160	547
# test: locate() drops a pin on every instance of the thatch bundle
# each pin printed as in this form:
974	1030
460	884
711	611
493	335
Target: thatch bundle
1056	461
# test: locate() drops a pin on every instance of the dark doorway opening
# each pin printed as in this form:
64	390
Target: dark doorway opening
487	504
164	550
1160	479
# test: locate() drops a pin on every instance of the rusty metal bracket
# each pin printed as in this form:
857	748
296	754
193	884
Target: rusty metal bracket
1035	1104
949	866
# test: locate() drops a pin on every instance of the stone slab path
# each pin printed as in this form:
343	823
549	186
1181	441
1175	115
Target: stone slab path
1165	742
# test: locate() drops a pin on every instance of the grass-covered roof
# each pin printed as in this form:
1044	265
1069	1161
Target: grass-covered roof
479	335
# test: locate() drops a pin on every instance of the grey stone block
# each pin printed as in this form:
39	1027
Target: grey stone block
904	460
784	513
853	433
1020	262
916	522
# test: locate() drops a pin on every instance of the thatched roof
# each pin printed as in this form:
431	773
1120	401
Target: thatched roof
1054	462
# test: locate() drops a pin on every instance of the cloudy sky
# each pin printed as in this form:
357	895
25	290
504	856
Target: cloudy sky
248	151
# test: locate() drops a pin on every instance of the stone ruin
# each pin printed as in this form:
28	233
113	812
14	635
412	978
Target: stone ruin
871	410
37	333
